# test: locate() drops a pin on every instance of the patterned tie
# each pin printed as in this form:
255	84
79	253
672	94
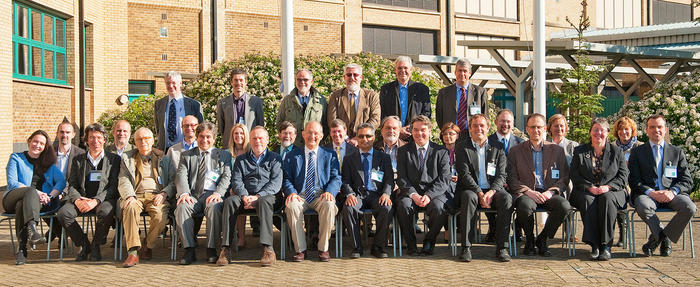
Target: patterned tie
172	118
304	103
421	157
463	111
367	166
340	159
201	173
505	145
310	180
658	159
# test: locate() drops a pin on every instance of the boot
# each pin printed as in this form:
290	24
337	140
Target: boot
33	236
622	227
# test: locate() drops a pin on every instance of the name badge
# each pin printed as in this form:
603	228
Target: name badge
241	120
670	172
212	175
95	175
377	175
627	157
159	180
555	174
474	109
491	169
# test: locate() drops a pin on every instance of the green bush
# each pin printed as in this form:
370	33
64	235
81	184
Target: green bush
139	113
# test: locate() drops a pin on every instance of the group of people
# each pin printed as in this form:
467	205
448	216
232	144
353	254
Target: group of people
186	178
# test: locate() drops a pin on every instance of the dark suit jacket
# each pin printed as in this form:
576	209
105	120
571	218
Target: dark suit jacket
418	100
108	184
354	175
446	108
614	169
186	178
433	180
74	151
467	165
192	107
226	116
643	170
521	169
249	178
349	149
294	166
512	142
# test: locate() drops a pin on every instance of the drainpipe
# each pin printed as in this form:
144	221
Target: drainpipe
81	60
213	32
449	30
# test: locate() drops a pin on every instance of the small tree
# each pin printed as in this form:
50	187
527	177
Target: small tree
579	100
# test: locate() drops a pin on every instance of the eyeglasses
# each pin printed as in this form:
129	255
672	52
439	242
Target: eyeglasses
190	125
353	75
365	136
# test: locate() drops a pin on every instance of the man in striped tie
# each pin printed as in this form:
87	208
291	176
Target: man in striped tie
311	181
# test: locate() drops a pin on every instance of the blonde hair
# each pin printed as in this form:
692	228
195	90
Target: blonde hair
555	118
246	139
625	122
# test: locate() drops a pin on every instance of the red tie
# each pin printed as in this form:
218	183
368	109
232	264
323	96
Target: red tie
462	113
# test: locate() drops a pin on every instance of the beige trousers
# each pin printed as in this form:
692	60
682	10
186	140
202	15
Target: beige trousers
326	219
131	215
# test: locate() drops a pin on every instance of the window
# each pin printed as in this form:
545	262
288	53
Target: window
505	9
138	89
666	12
462	51
420	4
386	40
618	13
38	45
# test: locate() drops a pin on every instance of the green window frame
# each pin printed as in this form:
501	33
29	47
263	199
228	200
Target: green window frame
139	85
45	40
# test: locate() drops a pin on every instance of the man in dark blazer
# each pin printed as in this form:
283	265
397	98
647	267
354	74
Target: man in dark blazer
255	185
311	181
65	153
538	176
481	173
339	141
456	102
169	112
404	98
239	107
659	178
286	135
368	180
424	173
202	180
92	188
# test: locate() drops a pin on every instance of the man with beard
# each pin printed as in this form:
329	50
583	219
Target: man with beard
352	104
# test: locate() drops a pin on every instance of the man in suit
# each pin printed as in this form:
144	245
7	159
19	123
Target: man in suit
202	179
404	98
171	110
352	104
504	135
286	134
659	178
481	170
391	138
311	181
121	132
303	104
538	175
93	188
239	107
456	102
339	141
141	189
368	180
256	182
189	141
424	174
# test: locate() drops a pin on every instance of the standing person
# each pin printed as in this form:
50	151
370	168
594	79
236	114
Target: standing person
403	97
625	129
240	140
66	151
121	132
659	178
353	104
238	108
456	102
302	105
34	184
599	173
558	127
170	111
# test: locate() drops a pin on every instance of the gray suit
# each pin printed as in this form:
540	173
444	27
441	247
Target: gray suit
226	116
192	107
186	181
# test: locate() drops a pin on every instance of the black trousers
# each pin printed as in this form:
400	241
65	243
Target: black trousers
436	211
104	211
383	214
598	213
502	202
24	203
233	206
557	206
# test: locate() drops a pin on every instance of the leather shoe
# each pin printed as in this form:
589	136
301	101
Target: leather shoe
95	254
211	255
130	261
379	252
324	256
529	248
666	247
83	253
268	259
224	256
146	253
595	252
604	254
20	259
503	255
299	257
490	237
649	247
466	255
542	248
412	252
33	236
356	253
189	256
427	249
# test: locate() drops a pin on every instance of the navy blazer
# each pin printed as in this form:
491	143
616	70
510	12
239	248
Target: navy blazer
643	170
512	142
418	100
354	174
327	171
192	107
467	165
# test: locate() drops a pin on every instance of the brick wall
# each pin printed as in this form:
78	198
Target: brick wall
36	106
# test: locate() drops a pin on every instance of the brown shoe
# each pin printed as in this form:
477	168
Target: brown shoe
146	253
268	258
224	257
299	257
324	256
130	261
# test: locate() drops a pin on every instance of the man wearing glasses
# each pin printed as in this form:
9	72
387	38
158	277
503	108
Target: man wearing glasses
353	104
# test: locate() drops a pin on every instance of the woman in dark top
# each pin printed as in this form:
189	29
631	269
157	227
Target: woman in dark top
625	129
34	184
599	175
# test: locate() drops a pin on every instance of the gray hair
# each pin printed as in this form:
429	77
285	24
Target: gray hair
387	118
304	70
352	66
405	59
464	62
173	75
602	122
143	131
365	126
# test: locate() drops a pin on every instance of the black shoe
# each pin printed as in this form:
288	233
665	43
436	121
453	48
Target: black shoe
379	252
595	252
529	248
256	232
33	236
356	253
20	258
427	249
620	243
466	255
503	255
490	237
95	254
412	251
666	247
649	247
189	256
211	255
604	254
542	248
83	253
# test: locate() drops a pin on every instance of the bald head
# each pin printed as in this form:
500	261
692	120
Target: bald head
121	131
312	134
143	138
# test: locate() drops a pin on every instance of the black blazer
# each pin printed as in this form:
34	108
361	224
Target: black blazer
108	184
446	108
513	141
418	100
433	180
192	107
614	169
354	176
643	170
74	151
467	165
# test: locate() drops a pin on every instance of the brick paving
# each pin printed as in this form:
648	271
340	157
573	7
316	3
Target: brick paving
440	269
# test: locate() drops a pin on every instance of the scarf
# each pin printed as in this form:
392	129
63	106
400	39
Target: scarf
628	145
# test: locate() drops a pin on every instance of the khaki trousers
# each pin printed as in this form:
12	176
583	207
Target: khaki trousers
132	213
326	219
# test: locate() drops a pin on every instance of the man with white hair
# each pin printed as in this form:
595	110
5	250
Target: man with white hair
404	98
461	100
170	111
353	104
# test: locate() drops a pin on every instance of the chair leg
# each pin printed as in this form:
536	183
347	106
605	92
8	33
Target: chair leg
398	232
692	244
48	244
393	235
632	243
61	242
12	236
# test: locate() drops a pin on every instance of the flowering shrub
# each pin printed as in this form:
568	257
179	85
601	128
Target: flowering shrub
678	101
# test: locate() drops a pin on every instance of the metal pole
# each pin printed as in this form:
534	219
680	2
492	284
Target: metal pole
287	45
539	88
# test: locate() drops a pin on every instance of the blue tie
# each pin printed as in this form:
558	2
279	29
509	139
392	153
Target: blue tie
505	145
367	166
172	118
310	180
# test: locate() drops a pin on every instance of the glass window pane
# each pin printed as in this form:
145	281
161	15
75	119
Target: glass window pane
36	26
60	33
60	66
48	29
140	88
36	62
48	64
22	28
22	59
